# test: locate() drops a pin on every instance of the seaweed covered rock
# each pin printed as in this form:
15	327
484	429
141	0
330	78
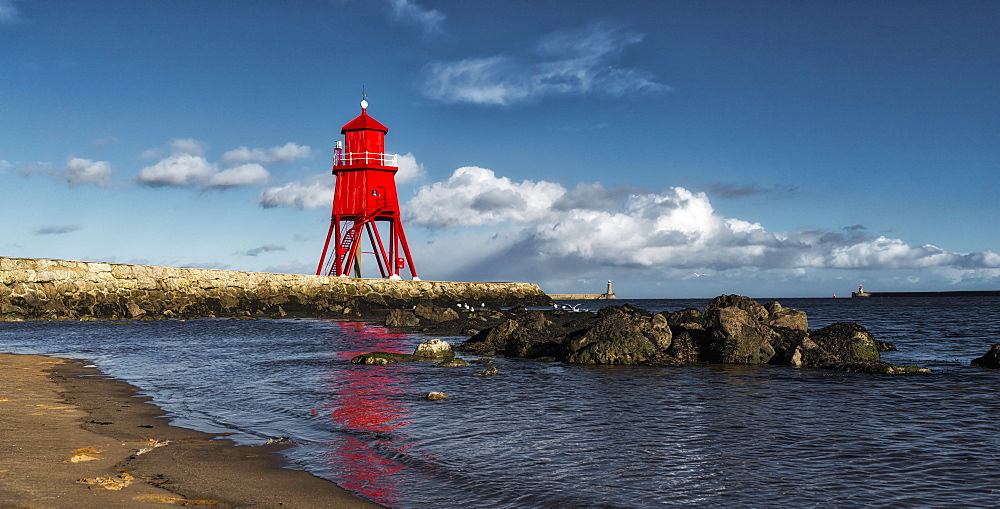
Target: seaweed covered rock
401	318
434	349
430	312
687	344
778	316
689	318
733	329
752	307
528	334
848	342
844	346
382	358
621	335
990	359
738	336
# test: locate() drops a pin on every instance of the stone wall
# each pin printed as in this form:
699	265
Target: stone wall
33	288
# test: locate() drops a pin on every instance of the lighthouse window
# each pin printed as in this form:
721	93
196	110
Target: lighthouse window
374	193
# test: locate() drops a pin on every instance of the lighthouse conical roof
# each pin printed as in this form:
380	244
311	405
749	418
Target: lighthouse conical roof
364	122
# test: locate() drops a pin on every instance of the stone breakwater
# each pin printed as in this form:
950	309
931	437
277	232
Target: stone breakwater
32	288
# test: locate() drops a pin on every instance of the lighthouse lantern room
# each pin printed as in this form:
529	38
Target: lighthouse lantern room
364	197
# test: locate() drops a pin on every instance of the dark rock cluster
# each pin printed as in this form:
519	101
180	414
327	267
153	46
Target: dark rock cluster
732	329
990	359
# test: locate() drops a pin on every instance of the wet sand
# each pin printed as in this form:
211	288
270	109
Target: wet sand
73	437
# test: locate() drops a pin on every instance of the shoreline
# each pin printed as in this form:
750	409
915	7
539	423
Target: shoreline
71	436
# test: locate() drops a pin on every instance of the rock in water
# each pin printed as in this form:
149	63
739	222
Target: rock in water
434	395
401	318
435	313
849	342
380	358
689	318
434	348
788	318
752	307
488	371
990	359
621	335
738	337
522	334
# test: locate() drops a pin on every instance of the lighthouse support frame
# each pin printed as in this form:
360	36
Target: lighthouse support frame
365	195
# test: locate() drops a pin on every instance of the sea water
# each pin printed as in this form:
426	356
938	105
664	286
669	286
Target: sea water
555	435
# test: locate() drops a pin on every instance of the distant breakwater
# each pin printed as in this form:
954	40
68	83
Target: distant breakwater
32	288
969	293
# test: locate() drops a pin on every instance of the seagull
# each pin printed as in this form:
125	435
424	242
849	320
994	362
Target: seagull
699	274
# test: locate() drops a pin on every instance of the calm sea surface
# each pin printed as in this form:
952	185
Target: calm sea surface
553	435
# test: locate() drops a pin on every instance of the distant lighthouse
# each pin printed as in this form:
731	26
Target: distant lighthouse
365	195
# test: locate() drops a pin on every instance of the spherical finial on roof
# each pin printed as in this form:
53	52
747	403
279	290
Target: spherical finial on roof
364	104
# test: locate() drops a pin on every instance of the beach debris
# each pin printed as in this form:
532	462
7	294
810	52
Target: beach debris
108	483
85	454
165	499
434	395
153	444
489	371
278	440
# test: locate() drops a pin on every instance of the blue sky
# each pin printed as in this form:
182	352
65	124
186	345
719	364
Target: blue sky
682	149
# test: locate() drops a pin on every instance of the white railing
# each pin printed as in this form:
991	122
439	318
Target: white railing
359	158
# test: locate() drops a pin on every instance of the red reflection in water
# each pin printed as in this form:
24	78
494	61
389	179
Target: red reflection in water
367	403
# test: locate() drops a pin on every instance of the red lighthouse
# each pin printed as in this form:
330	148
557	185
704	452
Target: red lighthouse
365	196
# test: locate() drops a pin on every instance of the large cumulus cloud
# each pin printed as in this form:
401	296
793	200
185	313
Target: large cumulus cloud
591	226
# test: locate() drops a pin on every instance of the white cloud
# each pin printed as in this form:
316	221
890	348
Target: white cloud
409	169
58	229
153	153
283	154
177	170
104	142
567	62
81	171
186	146
551	230
407	11
36	168
316	191
187	166
243	175
266	248
8	12
476	196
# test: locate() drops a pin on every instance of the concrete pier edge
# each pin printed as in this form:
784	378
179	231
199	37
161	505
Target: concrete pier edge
47	289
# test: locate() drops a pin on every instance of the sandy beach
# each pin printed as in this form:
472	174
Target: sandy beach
73	437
